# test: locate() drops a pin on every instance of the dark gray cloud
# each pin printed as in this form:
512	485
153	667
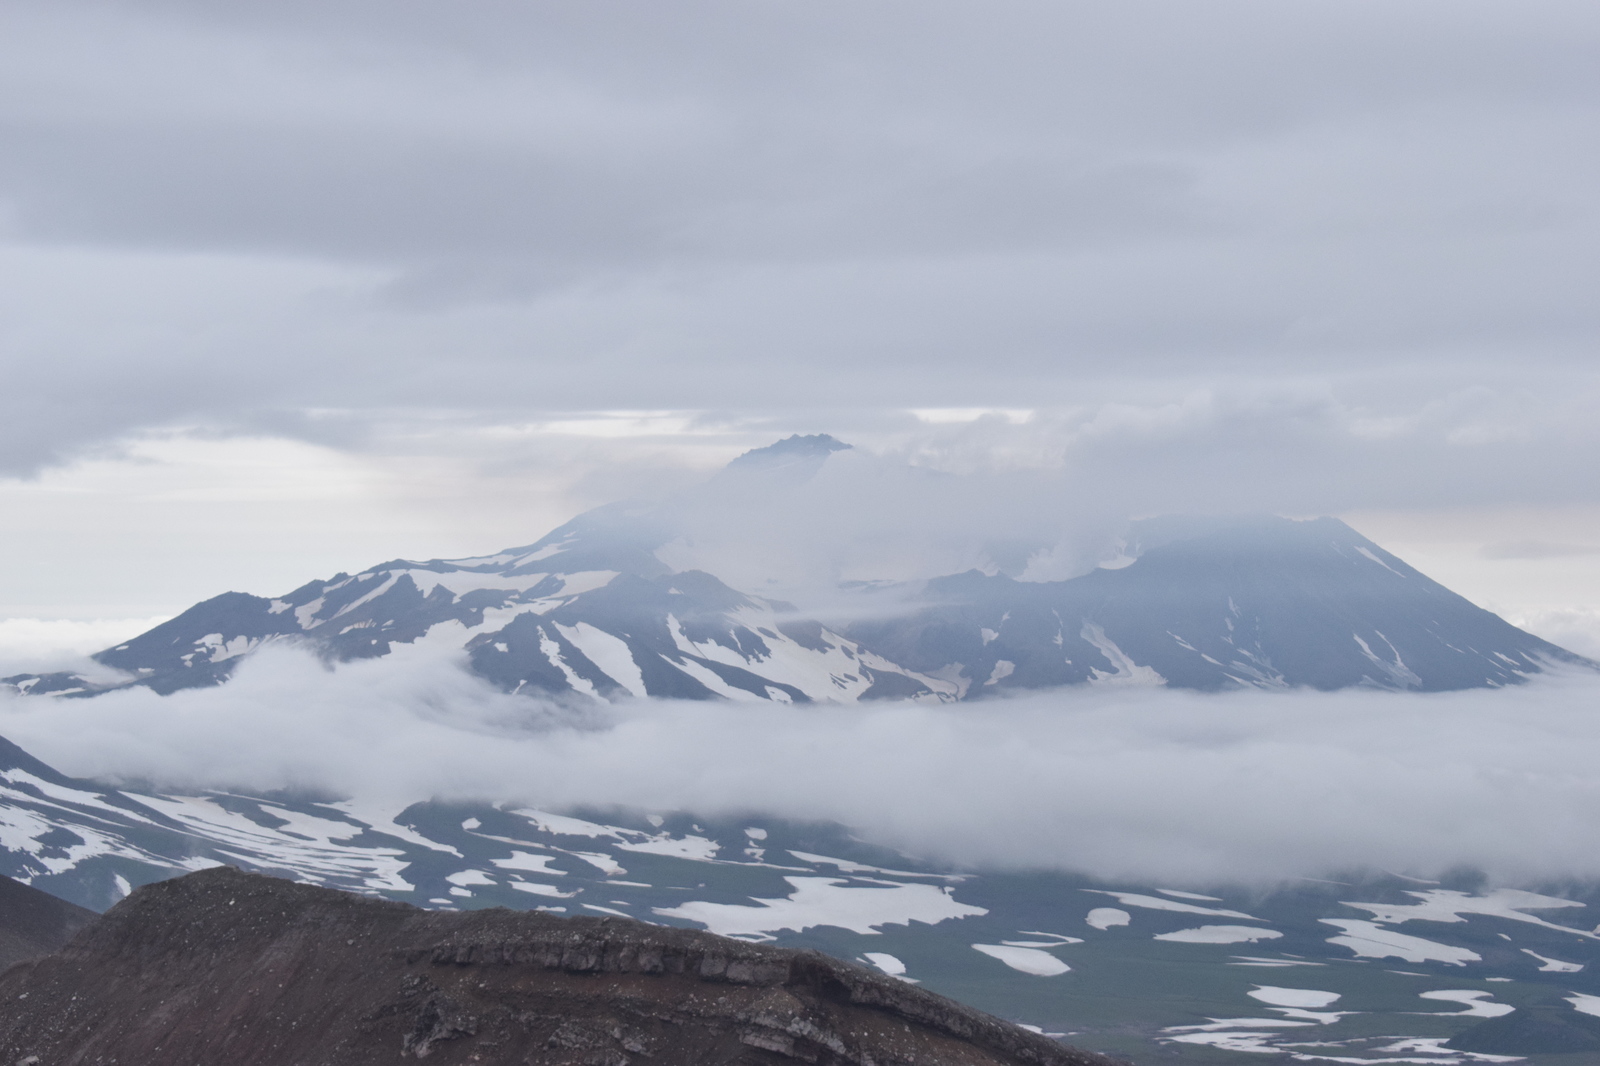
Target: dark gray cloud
228	214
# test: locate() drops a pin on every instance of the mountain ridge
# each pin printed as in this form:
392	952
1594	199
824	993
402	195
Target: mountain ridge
269	971
590	610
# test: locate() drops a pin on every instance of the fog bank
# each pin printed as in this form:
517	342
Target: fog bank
1128	782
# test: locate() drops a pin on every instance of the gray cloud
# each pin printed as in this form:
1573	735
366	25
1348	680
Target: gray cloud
230	214
1535	549
1132	783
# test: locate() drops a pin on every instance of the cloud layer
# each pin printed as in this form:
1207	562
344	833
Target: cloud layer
231	216
1136	783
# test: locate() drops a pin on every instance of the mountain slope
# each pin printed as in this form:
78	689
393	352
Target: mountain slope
229	966
34	923
1259	602
592	611
587	610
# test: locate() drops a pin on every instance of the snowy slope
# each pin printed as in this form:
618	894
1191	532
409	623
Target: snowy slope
1252	602
589	610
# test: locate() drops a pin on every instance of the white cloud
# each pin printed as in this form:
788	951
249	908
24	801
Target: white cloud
1146	784
213	213
33	644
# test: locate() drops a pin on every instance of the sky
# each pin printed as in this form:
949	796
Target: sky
290	288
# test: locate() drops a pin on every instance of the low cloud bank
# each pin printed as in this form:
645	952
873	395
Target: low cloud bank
42	644
1141	783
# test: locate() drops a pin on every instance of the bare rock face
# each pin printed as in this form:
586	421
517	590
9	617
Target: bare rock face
227	967
34	922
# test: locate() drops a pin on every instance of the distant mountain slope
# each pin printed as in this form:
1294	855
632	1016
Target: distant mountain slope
272	972
1260	602
34	923
591	611
587	610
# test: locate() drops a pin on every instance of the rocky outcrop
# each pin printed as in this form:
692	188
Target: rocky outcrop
224	966
35	923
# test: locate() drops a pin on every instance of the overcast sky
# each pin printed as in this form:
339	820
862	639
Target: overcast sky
295	286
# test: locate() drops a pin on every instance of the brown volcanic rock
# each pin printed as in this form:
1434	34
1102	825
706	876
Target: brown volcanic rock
227	967
34	922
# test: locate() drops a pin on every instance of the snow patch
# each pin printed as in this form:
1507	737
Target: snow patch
1554	965
1107	917
1026	960
1478	1003
1124	671
1308	998
1220	934
1373	941
826	901
1156	903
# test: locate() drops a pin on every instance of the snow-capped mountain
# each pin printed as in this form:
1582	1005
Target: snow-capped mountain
1367	968
1257	602
592	611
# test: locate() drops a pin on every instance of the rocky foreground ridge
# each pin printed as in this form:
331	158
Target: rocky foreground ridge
226	966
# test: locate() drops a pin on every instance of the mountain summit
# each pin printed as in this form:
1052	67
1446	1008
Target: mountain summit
592	610
791	451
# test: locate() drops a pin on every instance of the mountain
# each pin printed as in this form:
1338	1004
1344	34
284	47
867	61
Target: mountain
230	966
33	922
592	611
1261	602
1359	967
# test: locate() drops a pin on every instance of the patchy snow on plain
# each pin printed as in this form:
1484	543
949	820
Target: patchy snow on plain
826	901
1157	903
1055	941
1306	998
380	818
687	847
537	889
311	848
600	861
1554	965
1373	941
1220	934
849	867
1107	917
1444	905
522	860
1584	1003
1479	1004
1025	960
562	825
886	962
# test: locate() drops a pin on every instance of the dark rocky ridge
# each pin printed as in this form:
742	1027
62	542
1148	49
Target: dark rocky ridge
225	966
34	923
